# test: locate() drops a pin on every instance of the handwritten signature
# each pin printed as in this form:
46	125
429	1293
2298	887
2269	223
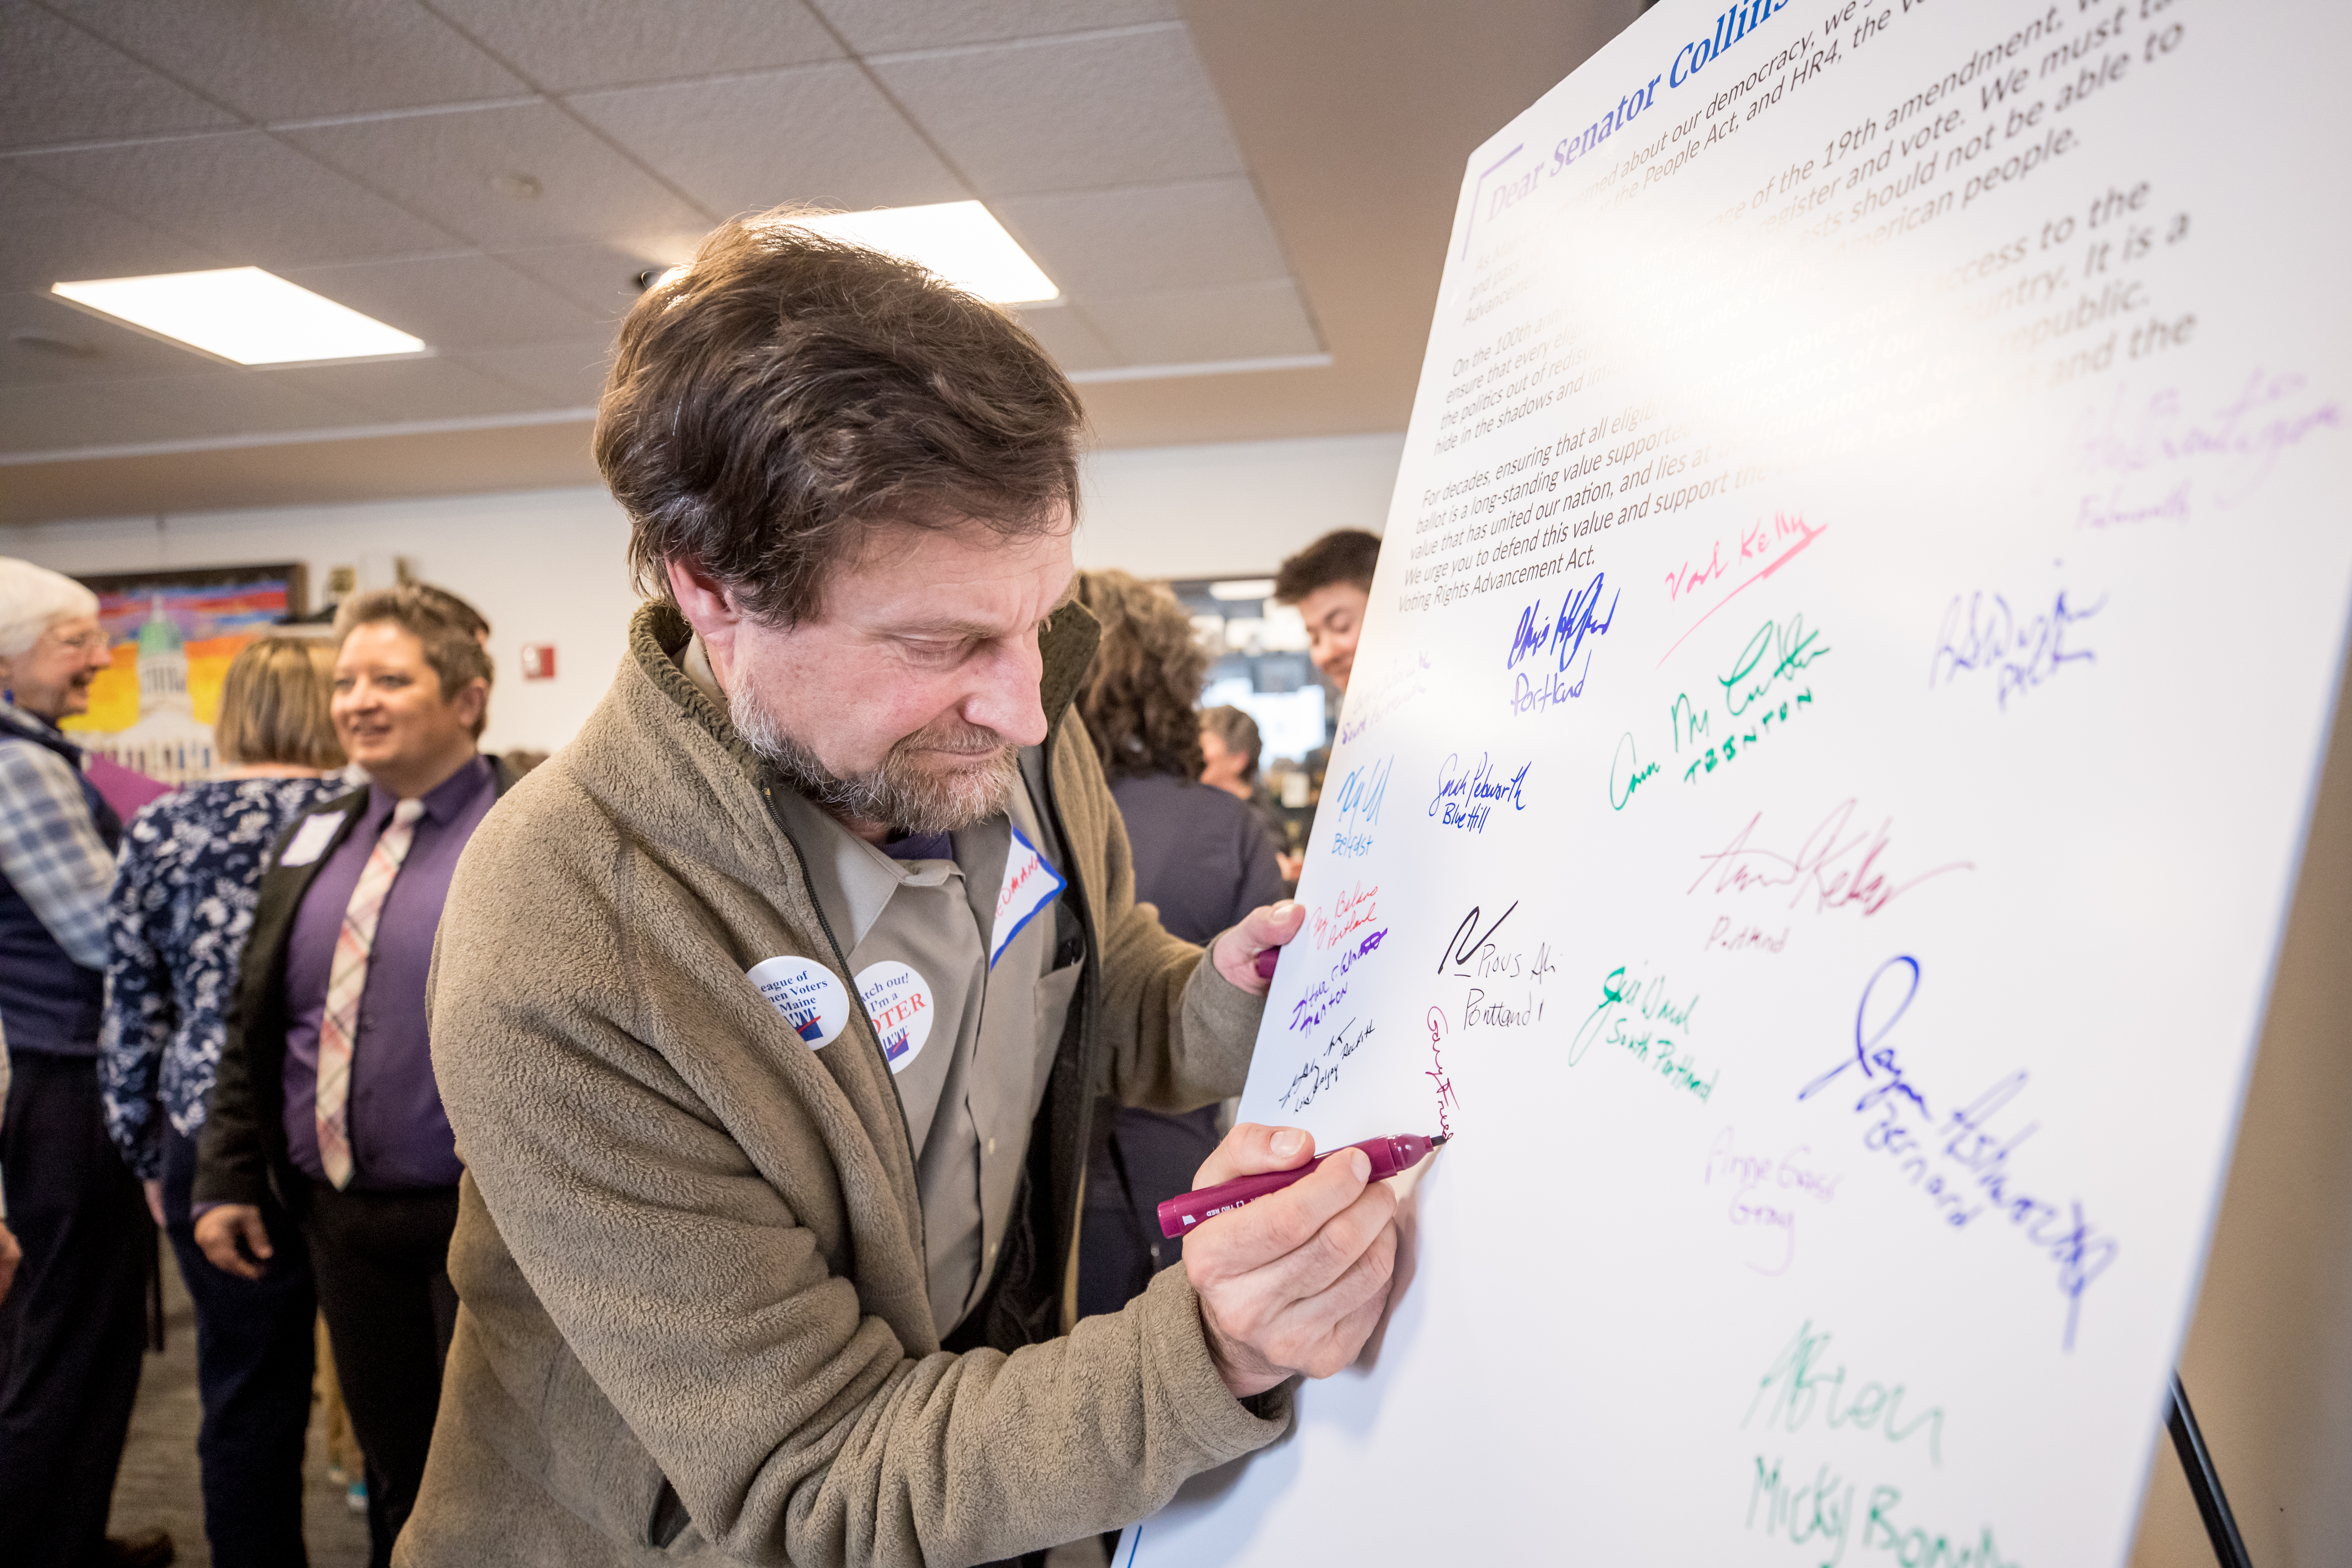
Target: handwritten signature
1371	701
1466	799
1765	1190
1436	1071
1825	866
2237	446
1763	548
2022	652
1777	651
1325	996
1976	1155
1322	1071
1358	802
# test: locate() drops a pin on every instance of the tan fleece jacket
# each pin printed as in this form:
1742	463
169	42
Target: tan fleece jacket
690	1247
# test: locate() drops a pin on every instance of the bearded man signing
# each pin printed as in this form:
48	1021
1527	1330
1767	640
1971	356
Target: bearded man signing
770	1013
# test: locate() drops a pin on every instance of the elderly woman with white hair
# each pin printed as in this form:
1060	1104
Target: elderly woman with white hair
79	1296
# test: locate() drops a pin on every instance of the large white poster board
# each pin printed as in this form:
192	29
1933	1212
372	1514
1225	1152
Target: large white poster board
1822	783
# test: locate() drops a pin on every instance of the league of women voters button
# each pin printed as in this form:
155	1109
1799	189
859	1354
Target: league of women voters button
1030	884
900	1003
812	1001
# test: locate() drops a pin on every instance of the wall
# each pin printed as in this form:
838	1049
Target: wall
546	566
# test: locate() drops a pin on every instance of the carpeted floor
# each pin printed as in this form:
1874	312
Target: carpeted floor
156	1488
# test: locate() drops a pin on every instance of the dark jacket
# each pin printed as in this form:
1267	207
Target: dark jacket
241	1154
47	1002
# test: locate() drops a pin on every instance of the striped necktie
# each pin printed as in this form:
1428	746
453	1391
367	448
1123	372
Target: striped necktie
339	1026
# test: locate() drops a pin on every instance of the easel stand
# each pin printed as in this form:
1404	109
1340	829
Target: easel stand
2205	1482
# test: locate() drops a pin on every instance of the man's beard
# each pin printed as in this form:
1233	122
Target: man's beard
899	794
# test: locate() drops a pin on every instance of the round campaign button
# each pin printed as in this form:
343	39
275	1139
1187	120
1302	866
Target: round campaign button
899	1002
811	1000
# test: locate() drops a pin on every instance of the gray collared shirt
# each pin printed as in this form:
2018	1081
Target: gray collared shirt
918	934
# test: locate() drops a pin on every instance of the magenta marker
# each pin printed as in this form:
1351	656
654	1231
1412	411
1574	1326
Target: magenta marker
1267	957
1390	1156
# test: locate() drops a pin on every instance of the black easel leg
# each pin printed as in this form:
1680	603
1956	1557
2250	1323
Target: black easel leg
2204	1482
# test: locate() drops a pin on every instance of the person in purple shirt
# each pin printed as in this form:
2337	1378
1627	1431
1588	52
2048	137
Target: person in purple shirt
325	1098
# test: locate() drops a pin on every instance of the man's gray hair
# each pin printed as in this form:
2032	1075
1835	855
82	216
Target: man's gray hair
33	599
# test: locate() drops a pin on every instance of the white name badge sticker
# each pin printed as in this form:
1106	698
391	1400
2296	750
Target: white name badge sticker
310	839
899	1002
1030	884
812	1001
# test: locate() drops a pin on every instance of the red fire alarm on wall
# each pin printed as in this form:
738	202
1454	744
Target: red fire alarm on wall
539	661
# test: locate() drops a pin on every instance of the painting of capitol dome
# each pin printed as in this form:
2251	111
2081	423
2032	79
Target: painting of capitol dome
173	635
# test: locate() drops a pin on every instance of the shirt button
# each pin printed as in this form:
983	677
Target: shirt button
992	1145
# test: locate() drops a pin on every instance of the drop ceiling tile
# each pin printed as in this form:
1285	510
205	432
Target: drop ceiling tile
244	196
1072	114
453	302
64	419
224	403
602	278
1065	335
62	85
574	44
568	375
1252	321
874	26
110	352
819	134
51	236
285	60
1139	239
441	166
405	389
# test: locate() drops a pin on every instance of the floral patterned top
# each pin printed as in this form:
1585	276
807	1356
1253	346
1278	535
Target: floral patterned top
184	890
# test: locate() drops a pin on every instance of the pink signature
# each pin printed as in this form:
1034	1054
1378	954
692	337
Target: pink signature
1437	1071
1825	866
1764	546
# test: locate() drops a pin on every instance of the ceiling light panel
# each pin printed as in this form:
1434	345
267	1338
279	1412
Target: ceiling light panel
960	241
241	314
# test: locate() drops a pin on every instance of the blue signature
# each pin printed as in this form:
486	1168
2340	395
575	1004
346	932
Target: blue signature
1979	1155
1466	800
1565	635
1327	993
2022	651
1358	802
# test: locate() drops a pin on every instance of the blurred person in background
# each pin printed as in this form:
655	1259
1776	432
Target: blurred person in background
1202	858
1230	748
78	1313
1330	581
184	890
325	1101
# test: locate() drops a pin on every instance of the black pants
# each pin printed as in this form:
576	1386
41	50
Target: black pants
255	1355
78	1313
381	1262
1141	1158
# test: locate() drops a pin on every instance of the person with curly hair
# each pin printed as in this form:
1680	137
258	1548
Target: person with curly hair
1202	857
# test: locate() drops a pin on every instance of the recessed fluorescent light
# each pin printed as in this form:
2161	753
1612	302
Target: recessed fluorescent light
1244	588
960	241
241	314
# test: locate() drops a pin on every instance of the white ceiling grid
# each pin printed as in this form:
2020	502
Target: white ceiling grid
359	147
